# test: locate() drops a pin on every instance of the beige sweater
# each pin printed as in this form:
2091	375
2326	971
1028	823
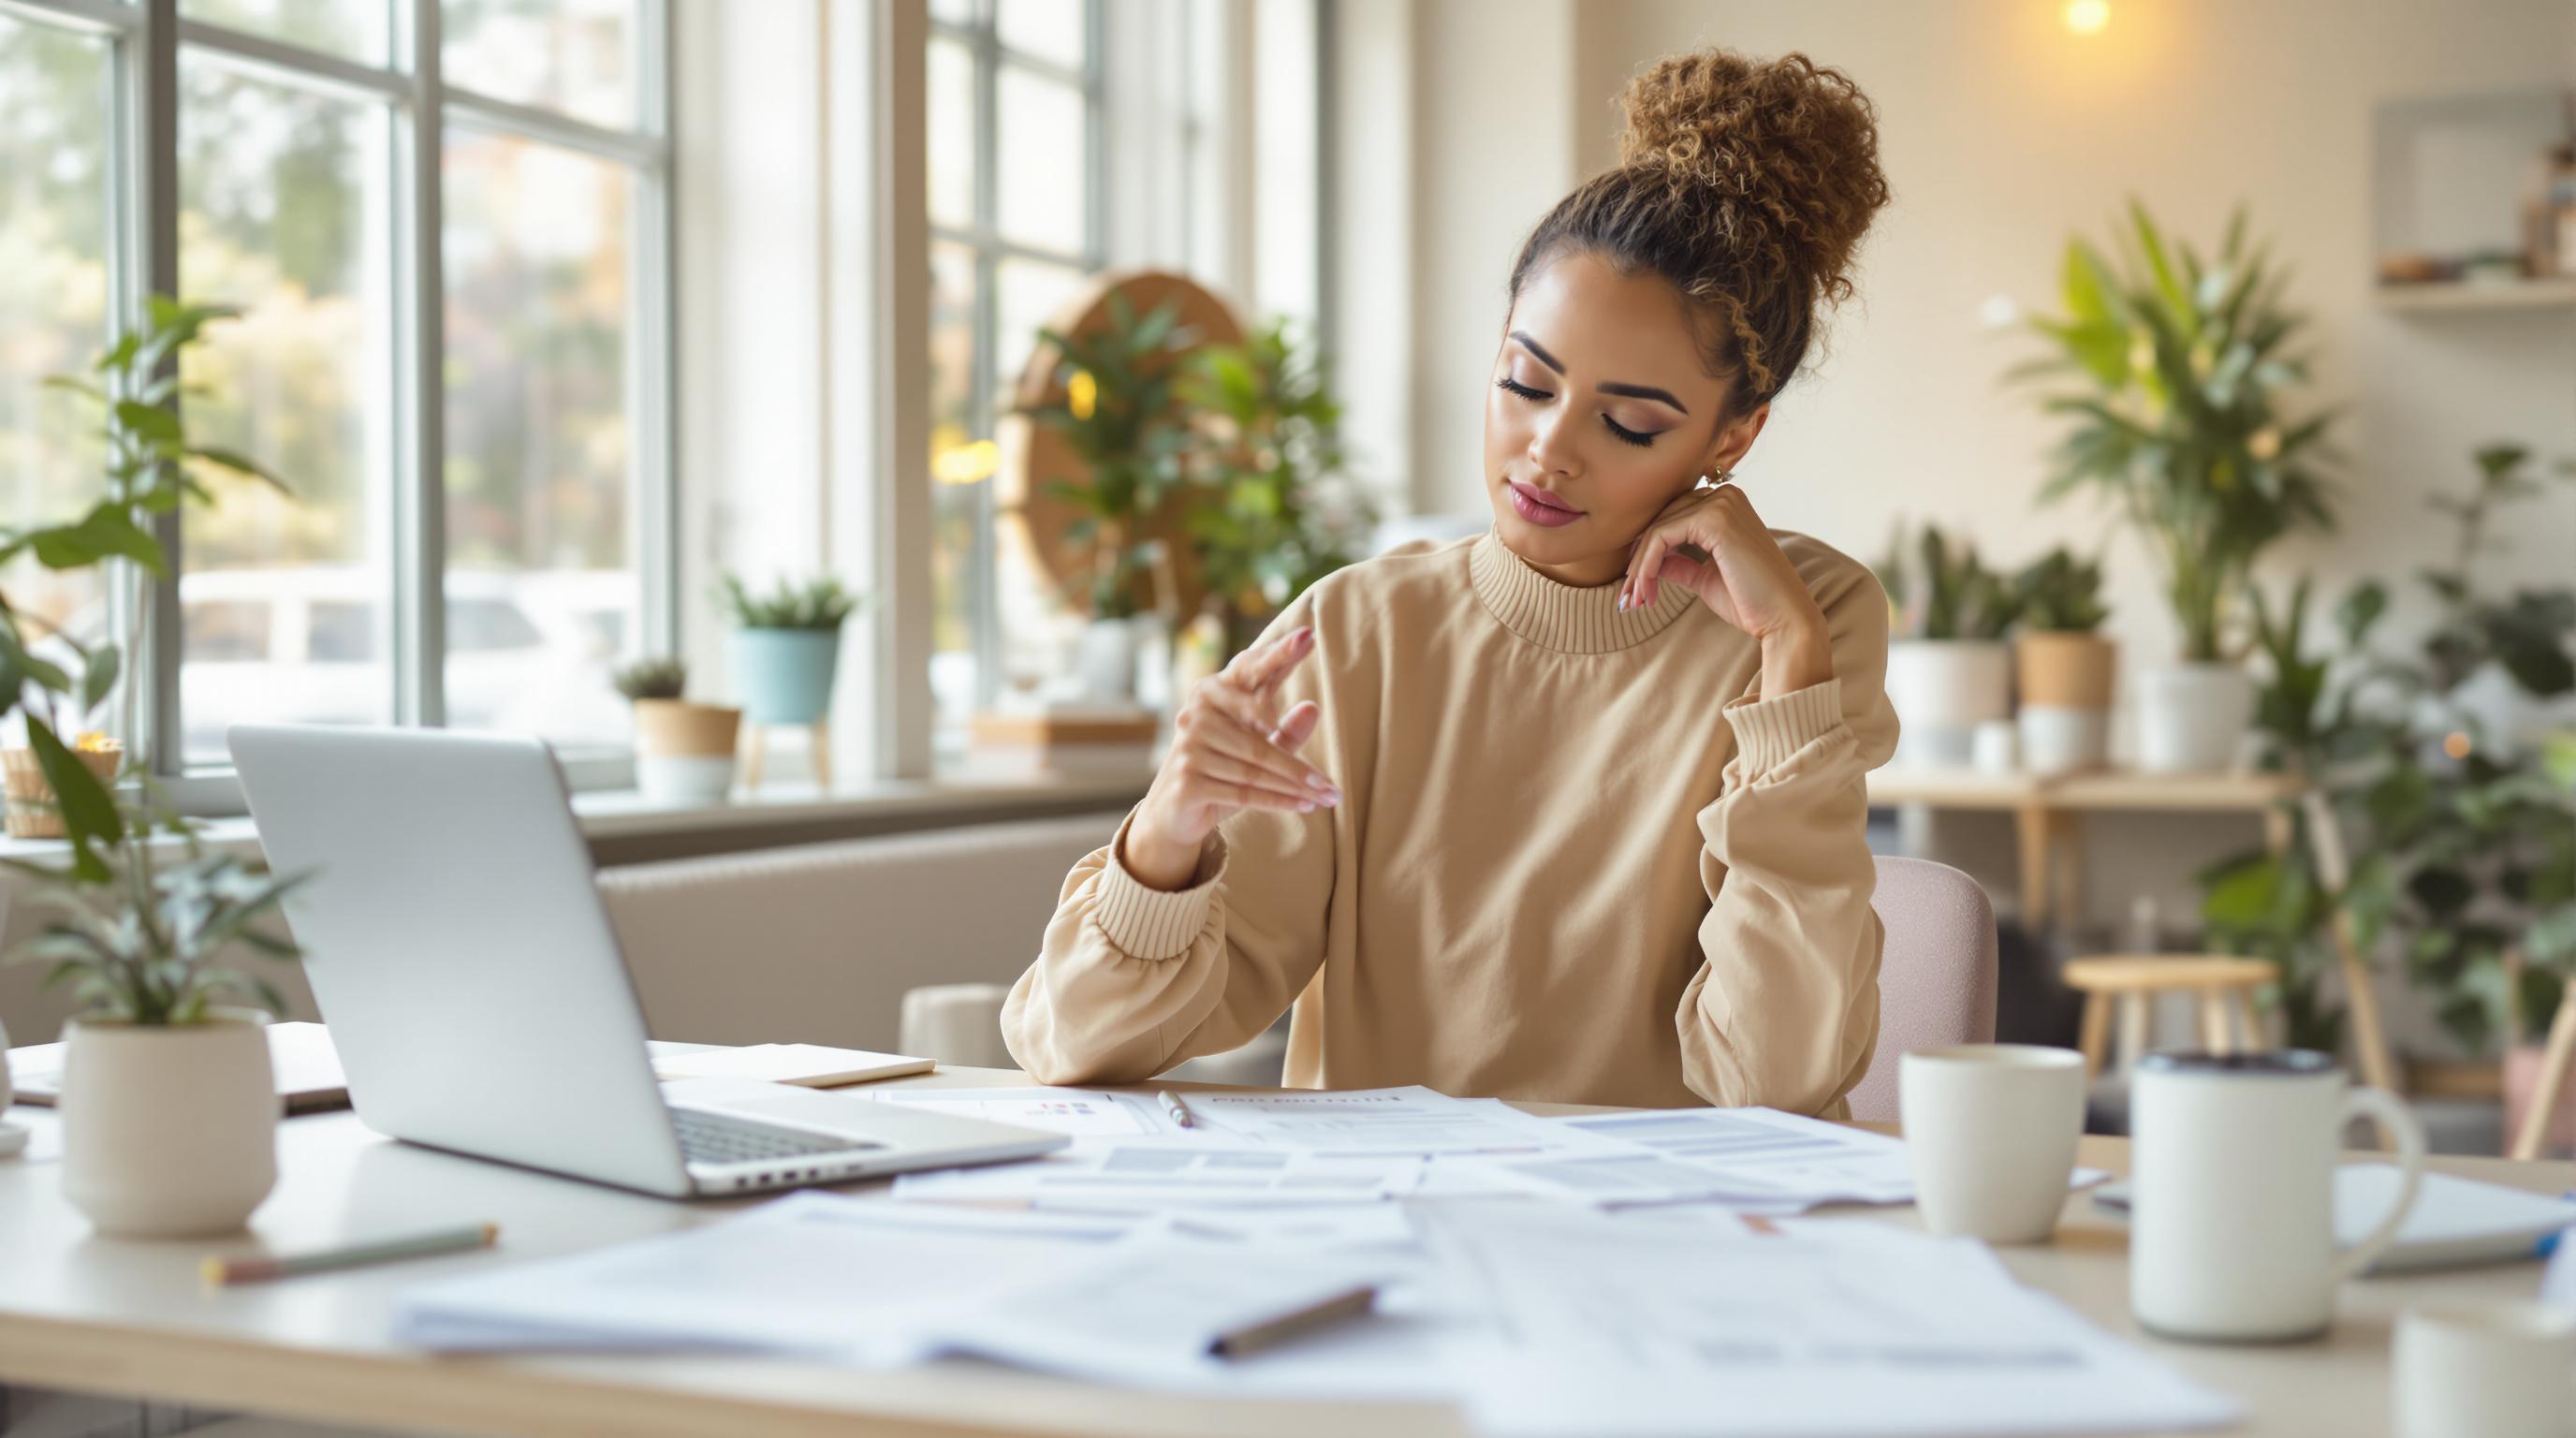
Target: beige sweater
1576	859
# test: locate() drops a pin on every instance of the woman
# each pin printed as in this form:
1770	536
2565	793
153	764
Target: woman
1568	811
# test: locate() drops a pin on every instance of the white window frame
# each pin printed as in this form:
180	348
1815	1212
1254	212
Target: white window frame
146	36
987	247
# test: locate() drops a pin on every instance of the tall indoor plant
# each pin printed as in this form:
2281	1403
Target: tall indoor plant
2176	414
1948	668
1116	416
1273	509
169	1107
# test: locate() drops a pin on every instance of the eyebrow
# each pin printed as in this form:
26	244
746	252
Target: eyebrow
1631	391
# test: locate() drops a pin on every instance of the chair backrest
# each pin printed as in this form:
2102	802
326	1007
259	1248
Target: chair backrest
1936	974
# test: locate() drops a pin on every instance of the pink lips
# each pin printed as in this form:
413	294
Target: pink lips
1539	507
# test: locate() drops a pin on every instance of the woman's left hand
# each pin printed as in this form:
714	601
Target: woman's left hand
1745	581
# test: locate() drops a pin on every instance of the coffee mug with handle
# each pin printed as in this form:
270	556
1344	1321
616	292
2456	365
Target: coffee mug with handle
2231	1219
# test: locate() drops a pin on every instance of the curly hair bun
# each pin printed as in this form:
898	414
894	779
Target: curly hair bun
1749	183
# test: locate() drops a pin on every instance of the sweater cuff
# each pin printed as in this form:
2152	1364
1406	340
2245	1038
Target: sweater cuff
1144	922
1768	731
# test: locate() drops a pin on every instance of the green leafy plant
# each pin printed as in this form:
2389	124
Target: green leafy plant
1278	512
1116	416
2466	847
2276	905
141	946
152	468
662	678
2061	594
819	603
1941	590
2177	416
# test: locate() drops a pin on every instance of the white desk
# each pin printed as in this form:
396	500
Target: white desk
132	1318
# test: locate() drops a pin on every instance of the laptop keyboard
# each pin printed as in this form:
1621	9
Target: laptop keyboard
721	1138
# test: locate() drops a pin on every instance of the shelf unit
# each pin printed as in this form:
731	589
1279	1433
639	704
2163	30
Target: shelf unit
2453	298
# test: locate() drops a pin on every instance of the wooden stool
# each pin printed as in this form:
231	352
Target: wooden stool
2225	983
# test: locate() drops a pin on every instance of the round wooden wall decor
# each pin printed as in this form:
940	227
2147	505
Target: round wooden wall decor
1032	454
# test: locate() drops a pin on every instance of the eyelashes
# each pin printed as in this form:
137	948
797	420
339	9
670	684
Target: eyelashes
1618	431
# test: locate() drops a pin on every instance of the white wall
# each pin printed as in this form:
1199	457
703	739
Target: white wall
2002	134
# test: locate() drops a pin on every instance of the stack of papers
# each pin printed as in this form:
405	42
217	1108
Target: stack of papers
1594	1275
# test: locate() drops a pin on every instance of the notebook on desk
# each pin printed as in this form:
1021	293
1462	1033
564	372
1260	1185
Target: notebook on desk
307	1067
2455	1223
310	1080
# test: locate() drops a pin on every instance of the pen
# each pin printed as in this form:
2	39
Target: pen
1347	1304
220	1270
1179	1111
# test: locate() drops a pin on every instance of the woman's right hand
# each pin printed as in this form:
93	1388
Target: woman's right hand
1231	749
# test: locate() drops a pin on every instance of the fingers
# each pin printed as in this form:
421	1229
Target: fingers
1256	749
1249	786
1261	667
1298	727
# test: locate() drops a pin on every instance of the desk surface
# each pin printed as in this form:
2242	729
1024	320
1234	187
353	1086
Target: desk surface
132	1318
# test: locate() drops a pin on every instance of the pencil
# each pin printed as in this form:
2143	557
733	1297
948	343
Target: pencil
1179	1111
260	1268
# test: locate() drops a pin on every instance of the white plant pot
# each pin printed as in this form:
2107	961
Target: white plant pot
2059	740
684	778
1107	660
1942	690
169	1131
2193	718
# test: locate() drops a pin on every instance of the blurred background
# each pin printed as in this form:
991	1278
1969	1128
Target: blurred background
2205	408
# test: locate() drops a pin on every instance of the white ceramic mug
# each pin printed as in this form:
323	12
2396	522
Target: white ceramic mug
1991	1131
2231	1219
2499	1370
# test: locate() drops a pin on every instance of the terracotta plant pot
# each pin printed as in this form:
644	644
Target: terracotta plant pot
2065	680
684	751
2066	670
32	812
169	1129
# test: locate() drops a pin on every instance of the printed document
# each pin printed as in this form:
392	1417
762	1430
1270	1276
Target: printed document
1153	1174
1630	1326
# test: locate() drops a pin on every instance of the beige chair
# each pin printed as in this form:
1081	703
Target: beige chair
819	943
1936	972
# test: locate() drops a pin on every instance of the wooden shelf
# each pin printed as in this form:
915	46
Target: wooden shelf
2454	296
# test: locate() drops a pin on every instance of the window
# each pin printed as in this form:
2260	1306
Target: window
1016	226
459	380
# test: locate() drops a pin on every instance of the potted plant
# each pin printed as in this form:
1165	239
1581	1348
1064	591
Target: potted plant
787	647
2063	668
169	1106
1272	509
1115	415
683	751
2177	418
1948	668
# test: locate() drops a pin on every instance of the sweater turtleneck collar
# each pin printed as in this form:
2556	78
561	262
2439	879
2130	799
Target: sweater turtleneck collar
1564	617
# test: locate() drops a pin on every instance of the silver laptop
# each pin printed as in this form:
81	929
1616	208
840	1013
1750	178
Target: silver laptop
460	952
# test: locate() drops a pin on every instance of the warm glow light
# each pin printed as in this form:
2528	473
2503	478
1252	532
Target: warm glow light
2087	17
965	463
2456	744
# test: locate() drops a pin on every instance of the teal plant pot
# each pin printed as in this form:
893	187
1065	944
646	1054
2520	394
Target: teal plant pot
784	676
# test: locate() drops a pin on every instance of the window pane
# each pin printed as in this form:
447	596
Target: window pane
962	462
1051	30
1026	294
351	29
1042	134
953	12
952	135
283	200
542	594
576	56
53	304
